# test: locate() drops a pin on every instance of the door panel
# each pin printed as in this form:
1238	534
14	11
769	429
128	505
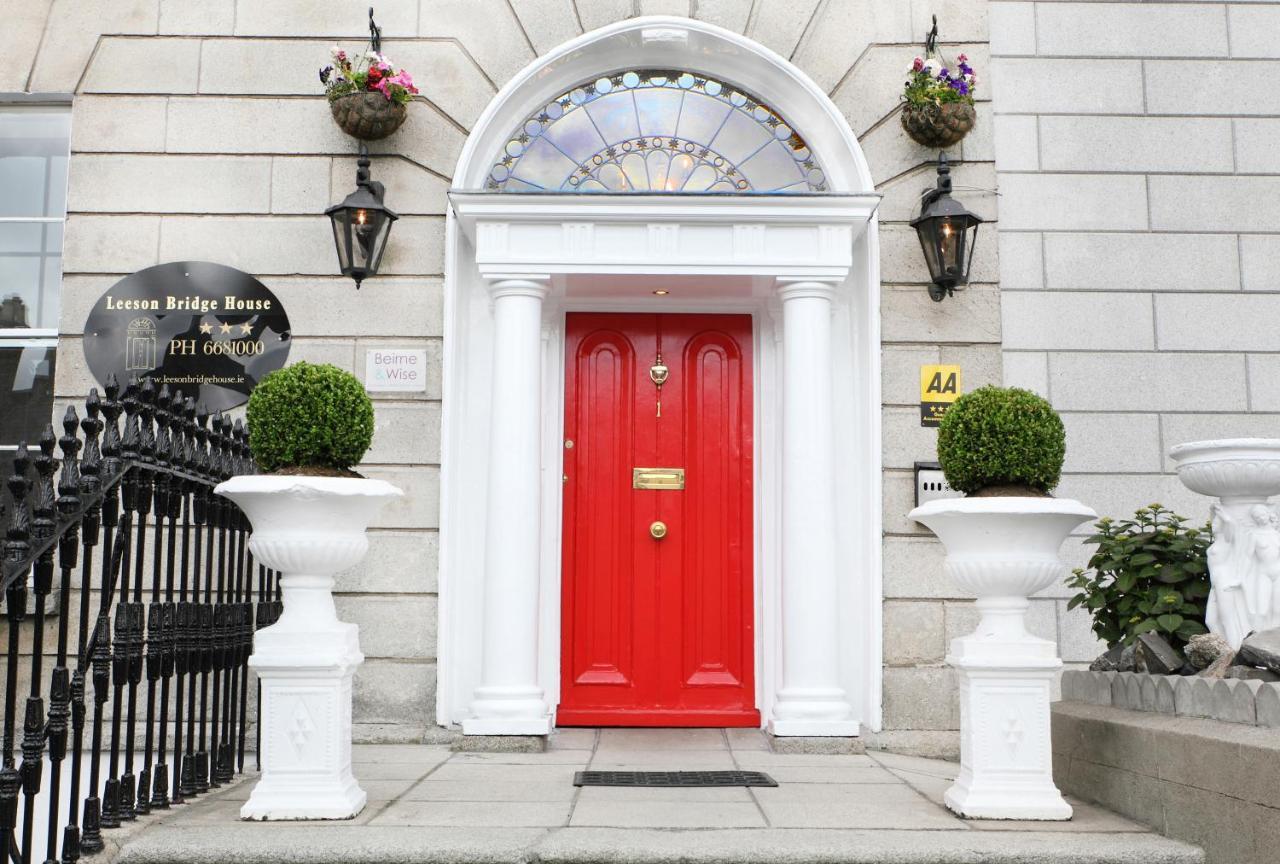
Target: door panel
600	620
657	631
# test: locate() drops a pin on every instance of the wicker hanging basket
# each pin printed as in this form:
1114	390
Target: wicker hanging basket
938	126
367	116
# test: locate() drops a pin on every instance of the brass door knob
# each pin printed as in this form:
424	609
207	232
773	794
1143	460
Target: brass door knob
658	530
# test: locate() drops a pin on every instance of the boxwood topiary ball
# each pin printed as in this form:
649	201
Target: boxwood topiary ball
997	436
309	416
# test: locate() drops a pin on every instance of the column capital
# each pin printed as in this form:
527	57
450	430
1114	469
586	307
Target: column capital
523	285
795	288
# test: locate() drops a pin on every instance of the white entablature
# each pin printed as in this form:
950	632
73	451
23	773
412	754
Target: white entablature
789	236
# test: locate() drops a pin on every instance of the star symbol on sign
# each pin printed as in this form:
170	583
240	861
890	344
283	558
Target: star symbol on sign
224	328
246	328
206	327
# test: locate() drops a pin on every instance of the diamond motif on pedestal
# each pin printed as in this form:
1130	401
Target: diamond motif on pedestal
301	727
1013	732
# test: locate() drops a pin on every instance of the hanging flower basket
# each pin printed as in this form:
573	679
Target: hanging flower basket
938	126
937	106
367	116
368	95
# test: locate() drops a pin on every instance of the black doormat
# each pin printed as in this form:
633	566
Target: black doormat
673	778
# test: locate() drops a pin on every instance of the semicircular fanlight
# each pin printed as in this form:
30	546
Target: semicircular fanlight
650	130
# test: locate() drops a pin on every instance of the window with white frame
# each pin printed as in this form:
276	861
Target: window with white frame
35	144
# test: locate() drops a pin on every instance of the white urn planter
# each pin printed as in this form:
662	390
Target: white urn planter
308	529
1003	550
1244	558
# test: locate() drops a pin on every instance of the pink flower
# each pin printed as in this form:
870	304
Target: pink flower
405	80
962	58
917	65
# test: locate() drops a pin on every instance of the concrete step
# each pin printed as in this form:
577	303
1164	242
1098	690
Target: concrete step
429	804
327	843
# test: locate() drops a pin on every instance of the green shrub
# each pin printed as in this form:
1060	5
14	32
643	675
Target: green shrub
998	436
1149	573
309	416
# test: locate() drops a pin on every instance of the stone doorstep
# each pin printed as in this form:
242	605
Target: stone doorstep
1231	700
494	807
298	844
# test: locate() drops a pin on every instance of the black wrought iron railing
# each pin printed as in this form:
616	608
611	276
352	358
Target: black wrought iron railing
114	538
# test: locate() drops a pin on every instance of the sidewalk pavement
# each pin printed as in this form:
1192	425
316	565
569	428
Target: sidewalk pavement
429	804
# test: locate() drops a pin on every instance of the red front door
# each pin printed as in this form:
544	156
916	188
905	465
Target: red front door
657	612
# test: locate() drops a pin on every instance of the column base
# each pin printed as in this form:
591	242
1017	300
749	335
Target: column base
813	712
508	710
299	799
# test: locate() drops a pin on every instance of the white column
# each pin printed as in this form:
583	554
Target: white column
509	700
811	701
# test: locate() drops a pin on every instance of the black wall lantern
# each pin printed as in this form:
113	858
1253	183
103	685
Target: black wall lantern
947	232
361	225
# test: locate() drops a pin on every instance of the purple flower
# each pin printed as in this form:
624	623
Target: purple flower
324	74
944	74
963	88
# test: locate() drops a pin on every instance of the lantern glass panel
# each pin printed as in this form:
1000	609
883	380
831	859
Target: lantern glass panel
929	245
366	231
342	239
380	243
951	247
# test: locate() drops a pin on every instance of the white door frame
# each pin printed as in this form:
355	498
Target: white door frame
772	256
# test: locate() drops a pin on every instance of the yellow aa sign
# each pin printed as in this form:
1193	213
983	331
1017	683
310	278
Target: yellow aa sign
939	387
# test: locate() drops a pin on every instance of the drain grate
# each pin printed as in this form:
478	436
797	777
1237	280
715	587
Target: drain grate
673	778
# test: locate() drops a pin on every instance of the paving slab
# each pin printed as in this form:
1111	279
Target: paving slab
431	805
667	814
481	814
853	805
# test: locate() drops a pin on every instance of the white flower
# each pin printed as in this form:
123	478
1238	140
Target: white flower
932	66
335	51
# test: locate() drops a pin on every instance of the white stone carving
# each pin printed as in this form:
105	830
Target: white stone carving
308	528
1003	550
1244	559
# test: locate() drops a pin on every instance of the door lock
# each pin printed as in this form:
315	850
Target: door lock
658	530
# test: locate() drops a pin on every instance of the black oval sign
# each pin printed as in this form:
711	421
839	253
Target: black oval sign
208	330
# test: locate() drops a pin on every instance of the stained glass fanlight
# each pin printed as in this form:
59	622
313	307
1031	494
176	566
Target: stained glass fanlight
652	130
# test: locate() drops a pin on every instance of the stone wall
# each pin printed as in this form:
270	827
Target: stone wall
200	132
1138	231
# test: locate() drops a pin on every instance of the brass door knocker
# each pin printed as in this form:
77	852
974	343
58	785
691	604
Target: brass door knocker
658	375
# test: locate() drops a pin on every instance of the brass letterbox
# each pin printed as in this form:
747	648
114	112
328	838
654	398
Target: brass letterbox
657	478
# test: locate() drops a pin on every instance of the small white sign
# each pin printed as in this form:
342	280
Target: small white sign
395	370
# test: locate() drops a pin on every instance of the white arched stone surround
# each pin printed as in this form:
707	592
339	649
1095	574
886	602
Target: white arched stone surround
804	266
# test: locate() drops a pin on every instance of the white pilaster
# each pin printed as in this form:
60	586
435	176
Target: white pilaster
508	700
811	701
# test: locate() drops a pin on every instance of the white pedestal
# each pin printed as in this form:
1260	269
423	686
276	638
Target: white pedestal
1003	550
308	529
1006	758
306	725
